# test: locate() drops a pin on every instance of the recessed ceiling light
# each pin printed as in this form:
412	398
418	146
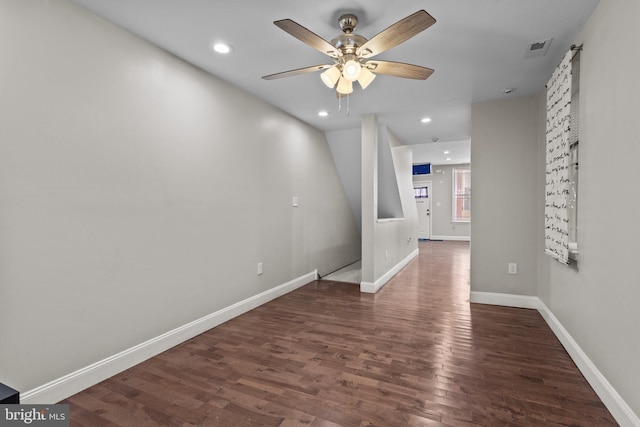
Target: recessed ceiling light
447	152
448	158
323	113
425	120
221	48
509	90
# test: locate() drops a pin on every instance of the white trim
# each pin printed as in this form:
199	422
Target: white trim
88	376
456	238
372	288
618	407
507	300
620	410
383	220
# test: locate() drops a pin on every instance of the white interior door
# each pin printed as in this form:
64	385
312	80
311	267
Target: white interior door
423	202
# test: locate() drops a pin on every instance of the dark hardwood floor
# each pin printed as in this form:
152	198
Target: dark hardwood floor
414	354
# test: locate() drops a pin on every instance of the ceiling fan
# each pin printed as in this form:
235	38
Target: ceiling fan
352	53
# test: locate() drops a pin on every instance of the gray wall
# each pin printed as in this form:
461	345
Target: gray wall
442	227
346	150
385	243
402	158
389	203
138	193
597	303
504	203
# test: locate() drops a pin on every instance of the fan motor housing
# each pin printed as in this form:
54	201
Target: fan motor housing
348	43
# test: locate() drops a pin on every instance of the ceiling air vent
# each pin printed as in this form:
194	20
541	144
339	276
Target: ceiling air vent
537	48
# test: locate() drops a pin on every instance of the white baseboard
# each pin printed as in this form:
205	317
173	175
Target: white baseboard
618	407
610	397
372	288
455	238
508	300
88	376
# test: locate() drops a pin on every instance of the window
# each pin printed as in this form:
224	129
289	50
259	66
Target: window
461	195
574	139
421	192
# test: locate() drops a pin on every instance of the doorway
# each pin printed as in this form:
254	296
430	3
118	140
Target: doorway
422	193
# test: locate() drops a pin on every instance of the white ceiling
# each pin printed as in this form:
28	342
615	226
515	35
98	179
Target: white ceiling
477	48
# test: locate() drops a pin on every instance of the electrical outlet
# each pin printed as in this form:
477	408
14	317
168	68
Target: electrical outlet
295	202
512	268
259	268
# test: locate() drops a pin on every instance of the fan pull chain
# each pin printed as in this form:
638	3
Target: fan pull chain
340	103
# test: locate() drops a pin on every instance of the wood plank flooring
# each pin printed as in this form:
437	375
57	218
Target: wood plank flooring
414	354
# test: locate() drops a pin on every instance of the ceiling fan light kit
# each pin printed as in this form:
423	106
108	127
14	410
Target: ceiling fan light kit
345	86
366	77
351	69
351	52
331	76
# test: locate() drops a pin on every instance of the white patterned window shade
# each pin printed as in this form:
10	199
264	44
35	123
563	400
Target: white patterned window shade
557	173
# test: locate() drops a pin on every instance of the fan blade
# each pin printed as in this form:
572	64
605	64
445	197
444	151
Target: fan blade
297	71
399	32
308	37
399	69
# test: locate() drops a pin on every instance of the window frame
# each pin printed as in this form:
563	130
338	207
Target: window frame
574	150
455	196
